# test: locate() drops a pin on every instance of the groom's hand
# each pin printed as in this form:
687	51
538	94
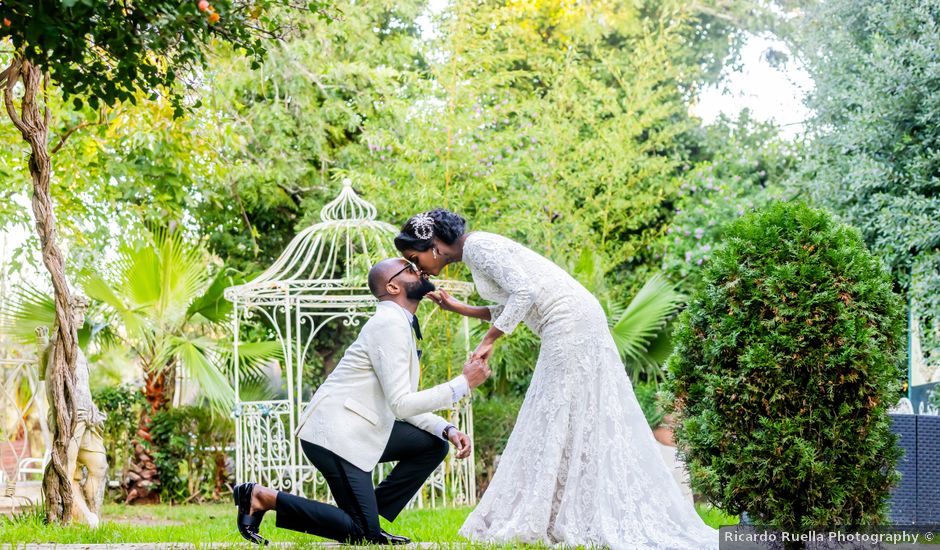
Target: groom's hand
461	441
476	372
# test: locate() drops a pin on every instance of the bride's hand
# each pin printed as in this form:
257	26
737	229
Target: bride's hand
483	352
443	299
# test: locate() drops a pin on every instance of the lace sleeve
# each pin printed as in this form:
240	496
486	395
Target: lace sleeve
498	263
495	311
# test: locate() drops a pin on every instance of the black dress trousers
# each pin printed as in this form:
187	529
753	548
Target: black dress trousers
355	518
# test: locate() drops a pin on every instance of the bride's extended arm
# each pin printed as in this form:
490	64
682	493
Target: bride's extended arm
449	303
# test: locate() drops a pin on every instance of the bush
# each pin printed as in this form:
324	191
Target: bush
493	421
189	445
785	362
123	405
646	395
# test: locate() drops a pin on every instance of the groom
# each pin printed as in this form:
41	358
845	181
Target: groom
369	411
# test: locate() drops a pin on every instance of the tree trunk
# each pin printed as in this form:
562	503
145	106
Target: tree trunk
60	374
143	480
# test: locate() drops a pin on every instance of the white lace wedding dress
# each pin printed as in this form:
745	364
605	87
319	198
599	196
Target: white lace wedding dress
581	466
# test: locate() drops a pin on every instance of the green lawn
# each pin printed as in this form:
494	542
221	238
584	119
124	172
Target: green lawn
215	523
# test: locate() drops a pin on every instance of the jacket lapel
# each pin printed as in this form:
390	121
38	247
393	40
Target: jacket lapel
414	369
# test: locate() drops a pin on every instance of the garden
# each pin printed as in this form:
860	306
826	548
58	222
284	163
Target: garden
192	194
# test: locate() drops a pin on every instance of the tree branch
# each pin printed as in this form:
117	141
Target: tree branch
8	79
102	120
68	133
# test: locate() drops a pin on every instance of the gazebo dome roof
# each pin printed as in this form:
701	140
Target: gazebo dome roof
329	261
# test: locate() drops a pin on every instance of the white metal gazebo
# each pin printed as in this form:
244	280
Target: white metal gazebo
321	277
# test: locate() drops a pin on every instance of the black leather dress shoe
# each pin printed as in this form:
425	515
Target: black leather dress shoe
247	524
396	539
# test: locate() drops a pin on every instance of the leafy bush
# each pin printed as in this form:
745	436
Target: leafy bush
189	445
875	66
746	163
785	363
123	405
646	395
493	421
188	442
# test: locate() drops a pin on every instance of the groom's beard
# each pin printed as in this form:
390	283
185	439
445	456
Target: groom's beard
417	290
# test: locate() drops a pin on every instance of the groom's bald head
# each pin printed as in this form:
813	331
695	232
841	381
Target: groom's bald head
382	272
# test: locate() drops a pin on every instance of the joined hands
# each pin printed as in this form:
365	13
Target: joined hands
476	371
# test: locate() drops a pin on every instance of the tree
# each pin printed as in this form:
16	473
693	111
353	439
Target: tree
875	134
785	363
102	52
550	123
741	165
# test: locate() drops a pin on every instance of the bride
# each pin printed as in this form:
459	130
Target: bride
581	466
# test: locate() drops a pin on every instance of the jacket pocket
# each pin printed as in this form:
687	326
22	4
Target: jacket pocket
361	410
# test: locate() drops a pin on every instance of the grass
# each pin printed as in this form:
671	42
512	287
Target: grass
215	523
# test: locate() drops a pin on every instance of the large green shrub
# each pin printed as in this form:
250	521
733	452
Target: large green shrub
784	365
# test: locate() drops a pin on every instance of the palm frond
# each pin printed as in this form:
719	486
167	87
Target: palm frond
212	304
589	271
182	272
28	309
645	318
197	357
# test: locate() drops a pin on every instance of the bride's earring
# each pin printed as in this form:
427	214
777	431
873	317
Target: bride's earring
434	252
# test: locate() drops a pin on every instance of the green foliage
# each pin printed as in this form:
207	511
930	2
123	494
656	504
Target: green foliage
123	405
103	51
189	445
640	328
643	324
157	292
646	395
532	121
512	363
743	165
493	421
785	363
876	133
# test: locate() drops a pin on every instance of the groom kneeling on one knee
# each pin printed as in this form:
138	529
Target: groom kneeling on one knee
369	410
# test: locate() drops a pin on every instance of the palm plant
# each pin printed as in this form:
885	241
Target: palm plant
641	329
170	309
161	307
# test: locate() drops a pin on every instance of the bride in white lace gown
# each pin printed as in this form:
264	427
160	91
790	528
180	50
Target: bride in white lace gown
581	466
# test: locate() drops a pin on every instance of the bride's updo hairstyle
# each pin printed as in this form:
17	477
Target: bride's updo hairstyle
419	231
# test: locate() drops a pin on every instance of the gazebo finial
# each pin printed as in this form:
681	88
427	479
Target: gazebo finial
348	205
